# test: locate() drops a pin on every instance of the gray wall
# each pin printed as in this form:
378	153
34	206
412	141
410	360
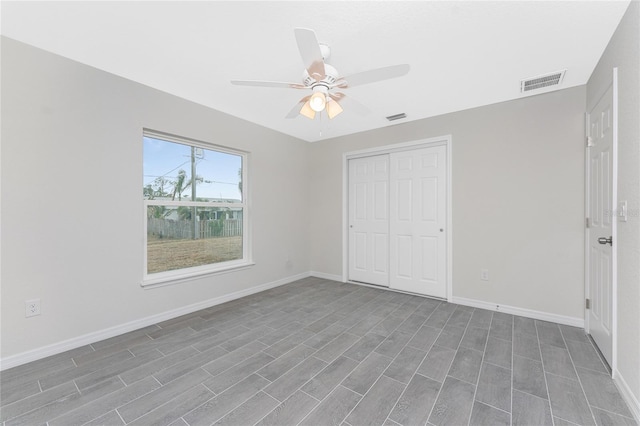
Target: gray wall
72	214
71	155
623	52
518	194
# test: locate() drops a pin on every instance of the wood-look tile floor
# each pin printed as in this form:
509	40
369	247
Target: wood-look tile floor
317	352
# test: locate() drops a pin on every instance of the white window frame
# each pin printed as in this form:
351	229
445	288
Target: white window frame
188	274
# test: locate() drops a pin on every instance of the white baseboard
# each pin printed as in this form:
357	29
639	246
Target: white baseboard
86	339
628	396
56	348
523	312
326	276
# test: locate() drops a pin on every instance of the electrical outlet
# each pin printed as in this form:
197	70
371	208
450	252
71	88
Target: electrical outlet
484	274
32	307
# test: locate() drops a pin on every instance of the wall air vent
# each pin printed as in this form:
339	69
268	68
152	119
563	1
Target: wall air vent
541	81
397	116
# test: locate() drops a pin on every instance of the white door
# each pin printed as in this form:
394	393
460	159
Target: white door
600	215
417	221
369	220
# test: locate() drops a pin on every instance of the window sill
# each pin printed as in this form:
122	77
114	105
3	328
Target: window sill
176	278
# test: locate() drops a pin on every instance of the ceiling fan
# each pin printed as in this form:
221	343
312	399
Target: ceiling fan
323	79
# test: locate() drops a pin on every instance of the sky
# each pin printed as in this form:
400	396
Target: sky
219	170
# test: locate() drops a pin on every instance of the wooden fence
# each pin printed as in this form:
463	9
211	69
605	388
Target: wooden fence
183	229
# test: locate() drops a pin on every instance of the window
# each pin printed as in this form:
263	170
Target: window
195	208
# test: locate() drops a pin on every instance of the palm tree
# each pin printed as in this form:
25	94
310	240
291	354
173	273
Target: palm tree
180	185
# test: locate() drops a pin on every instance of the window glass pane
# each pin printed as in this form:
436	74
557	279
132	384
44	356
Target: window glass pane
181	235
169	166
184	236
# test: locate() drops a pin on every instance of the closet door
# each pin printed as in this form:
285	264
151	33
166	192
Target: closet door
417	221
369	220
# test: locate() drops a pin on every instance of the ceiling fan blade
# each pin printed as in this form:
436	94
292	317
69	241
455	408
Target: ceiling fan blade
349	103
310	52
276	84
333	108
338	96
373	76
295	111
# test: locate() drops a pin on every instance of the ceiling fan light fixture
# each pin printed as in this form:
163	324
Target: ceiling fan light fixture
321	78
307	111
333	108
318	101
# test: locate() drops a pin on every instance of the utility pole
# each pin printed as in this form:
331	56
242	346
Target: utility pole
193	192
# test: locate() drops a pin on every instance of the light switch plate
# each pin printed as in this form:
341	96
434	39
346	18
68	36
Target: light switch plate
623	214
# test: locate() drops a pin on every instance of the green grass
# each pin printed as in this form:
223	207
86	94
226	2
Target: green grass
169	254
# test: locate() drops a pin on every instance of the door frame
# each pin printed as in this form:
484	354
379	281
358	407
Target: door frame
614	219
446	141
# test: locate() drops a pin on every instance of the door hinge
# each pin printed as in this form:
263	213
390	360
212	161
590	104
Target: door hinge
587	303
588	224
587	130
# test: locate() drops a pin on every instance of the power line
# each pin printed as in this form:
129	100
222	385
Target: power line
203	180
175	168
223	183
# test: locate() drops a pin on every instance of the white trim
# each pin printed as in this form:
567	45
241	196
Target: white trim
523	312
178	276
445	140
449	218
76	342
587	204
187	203
514	310
614	229
632	402
183	140
614	221
345	218
56	348
325	276
186	274
398	147
395	290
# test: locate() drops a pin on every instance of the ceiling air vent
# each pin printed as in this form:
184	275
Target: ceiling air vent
541	81
397	116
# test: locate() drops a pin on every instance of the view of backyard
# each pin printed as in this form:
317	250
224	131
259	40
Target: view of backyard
165	254
185	230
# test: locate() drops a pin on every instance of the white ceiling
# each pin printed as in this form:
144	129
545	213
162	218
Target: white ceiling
462	54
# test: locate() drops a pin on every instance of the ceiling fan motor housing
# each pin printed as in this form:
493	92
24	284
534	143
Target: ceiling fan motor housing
323	78
331	76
